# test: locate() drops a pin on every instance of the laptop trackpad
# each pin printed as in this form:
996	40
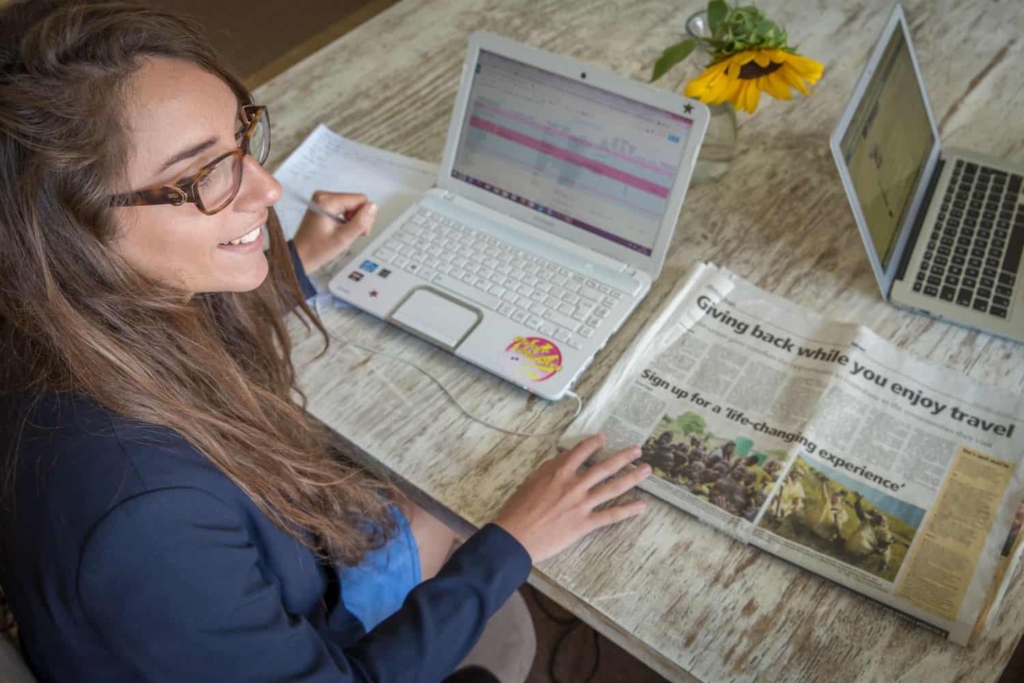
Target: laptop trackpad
436	318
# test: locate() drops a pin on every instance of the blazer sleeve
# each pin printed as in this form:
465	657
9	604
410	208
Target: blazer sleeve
305	284
172	582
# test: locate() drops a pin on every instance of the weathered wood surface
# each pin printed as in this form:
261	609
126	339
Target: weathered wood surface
687	600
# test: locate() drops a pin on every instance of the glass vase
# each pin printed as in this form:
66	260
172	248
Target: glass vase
719	146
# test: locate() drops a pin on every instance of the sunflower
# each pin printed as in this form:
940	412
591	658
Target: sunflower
742	77
750	54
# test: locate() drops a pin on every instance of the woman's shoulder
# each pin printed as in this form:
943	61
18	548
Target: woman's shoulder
68	457
76	429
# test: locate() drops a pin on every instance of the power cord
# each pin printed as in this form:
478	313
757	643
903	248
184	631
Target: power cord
572	623
8	625
451	397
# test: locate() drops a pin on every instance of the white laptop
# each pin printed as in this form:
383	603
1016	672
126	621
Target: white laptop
944	229
555	203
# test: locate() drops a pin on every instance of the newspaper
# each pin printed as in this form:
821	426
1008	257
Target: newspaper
823	444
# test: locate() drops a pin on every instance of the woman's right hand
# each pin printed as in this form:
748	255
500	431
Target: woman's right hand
554	507
320	238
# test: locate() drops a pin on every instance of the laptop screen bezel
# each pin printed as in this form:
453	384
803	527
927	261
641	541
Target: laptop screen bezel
664	100
886	275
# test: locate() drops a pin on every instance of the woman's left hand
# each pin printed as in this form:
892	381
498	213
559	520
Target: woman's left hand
321	238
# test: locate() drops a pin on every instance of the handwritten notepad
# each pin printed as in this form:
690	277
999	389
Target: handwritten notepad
328	161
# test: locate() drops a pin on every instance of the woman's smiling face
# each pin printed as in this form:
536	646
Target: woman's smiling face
178	119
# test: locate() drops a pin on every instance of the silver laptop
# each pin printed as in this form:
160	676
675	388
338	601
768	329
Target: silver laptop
944	229
554	206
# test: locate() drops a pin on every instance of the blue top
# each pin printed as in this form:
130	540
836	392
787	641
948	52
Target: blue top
126	555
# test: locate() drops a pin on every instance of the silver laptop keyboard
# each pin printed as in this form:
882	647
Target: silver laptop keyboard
974	249
522	286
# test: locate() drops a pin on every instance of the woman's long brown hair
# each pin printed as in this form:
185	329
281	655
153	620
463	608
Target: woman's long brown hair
75	318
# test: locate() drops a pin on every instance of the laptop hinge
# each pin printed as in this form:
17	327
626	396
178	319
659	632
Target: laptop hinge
908	250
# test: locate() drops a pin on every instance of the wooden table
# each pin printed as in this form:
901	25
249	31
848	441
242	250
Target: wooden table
686	600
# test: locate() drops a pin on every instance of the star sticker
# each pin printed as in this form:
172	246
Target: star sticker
688	108
373	293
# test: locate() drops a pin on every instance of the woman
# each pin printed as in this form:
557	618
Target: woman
169	512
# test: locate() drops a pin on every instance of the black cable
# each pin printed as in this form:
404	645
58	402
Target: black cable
558	647
6	628
572	623
558	620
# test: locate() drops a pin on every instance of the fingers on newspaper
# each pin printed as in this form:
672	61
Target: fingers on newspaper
824	444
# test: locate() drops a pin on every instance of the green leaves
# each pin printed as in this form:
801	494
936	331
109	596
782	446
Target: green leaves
672	56
735	28
718	10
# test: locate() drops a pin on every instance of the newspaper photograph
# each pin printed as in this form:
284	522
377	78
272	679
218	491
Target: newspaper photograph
843	518
824	444
733	474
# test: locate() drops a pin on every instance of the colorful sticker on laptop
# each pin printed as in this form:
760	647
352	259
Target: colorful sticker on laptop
532	358
368	266
355	275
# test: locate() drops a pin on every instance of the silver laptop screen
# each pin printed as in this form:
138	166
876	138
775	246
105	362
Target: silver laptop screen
592	159
887	144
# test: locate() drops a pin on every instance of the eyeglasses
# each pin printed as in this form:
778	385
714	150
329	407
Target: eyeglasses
217	183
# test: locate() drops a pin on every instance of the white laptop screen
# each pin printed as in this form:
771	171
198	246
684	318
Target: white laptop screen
887	144
592	159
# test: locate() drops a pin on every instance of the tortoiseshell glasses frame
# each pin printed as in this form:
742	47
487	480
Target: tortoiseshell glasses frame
190	190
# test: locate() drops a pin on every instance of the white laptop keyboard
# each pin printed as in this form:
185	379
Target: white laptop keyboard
517	284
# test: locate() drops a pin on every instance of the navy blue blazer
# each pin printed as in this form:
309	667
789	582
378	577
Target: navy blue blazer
127	556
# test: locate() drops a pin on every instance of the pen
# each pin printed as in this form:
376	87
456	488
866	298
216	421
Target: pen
311	205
